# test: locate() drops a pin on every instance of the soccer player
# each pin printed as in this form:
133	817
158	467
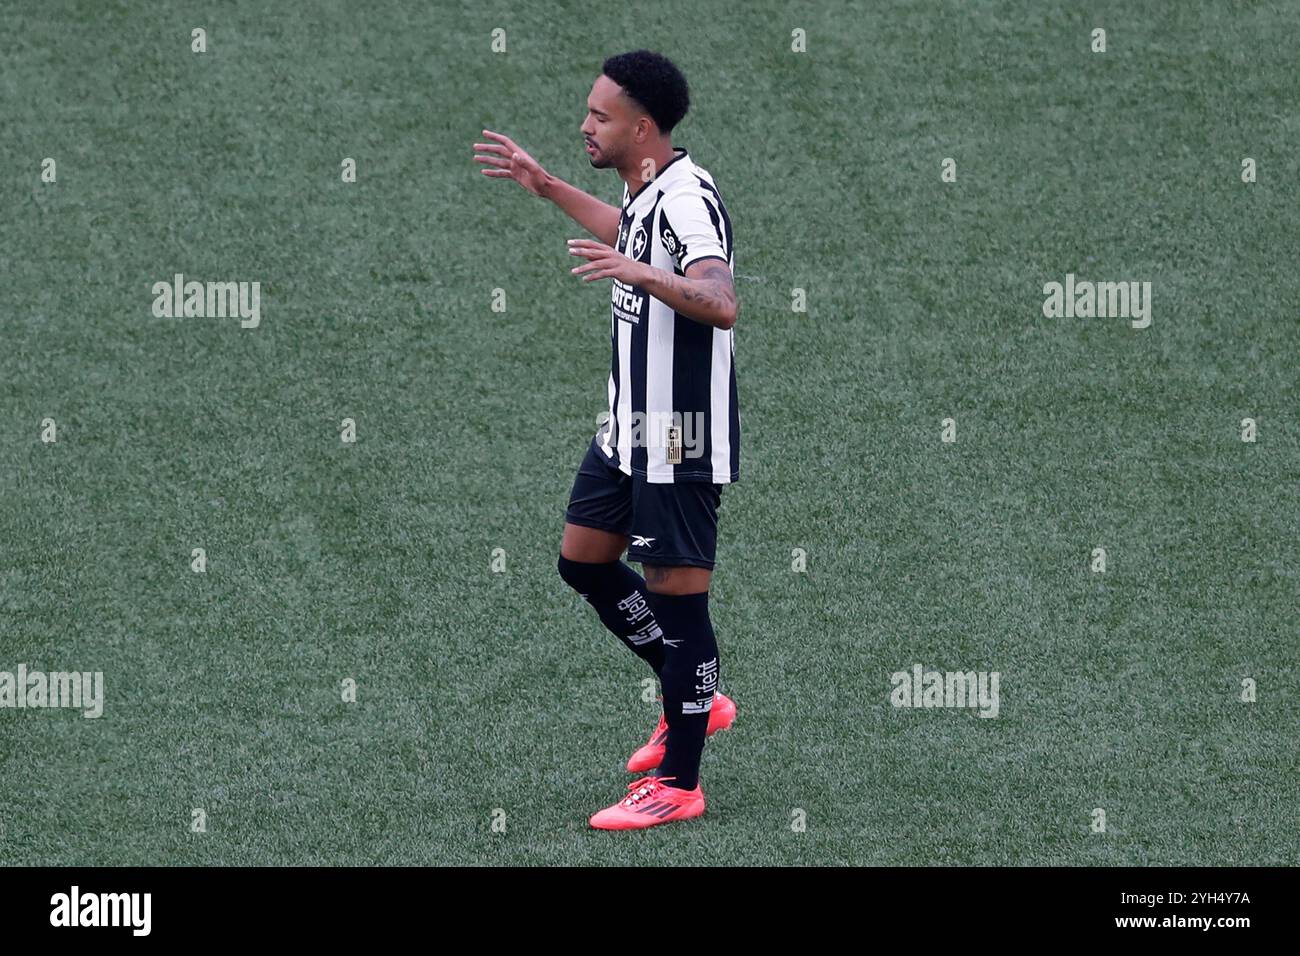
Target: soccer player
652	478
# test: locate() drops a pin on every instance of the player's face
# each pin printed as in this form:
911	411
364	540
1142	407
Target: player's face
609	125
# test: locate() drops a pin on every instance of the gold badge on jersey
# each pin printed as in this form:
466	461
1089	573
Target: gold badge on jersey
674	444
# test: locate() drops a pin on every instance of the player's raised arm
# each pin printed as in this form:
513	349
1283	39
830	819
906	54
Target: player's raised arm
505	160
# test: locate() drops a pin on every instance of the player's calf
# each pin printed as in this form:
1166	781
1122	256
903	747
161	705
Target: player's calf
619	596
689	676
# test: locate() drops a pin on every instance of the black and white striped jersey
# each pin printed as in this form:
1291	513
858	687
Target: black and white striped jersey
672	382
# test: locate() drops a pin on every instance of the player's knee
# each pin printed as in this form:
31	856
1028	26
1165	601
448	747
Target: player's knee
574	574
563	567
677	581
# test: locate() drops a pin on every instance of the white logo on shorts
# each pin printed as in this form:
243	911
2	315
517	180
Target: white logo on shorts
641	542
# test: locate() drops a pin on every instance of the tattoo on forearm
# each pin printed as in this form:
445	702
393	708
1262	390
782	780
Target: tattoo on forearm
712	290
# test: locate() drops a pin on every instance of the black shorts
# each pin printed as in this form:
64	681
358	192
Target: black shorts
670	525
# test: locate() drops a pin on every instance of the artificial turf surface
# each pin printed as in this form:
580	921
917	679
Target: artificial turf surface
481	692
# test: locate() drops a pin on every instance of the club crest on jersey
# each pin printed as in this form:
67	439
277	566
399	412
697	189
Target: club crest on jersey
638	242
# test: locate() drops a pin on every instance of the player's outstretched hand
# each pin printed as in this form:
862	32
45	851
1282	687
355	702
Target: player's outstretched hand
605	262
508	161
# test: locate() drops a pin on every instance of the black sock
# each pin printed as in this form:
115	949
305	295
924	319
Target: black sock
619	596
689	678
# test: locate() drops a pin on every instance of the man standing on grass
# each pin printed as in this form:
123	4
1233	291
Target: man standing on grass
652	477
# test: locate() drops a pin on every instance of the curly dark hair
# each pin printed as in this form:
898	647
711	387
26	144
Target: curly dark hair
654	82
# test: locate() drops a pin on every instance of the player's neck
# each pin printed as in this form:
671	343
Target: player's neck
635	175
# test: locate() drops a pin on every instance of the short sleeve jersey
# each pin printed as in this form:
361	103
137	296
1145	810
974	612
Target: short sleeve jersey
673	413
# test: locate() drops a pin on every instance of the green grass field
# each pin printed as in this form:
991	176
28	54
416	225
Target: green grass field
480	691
